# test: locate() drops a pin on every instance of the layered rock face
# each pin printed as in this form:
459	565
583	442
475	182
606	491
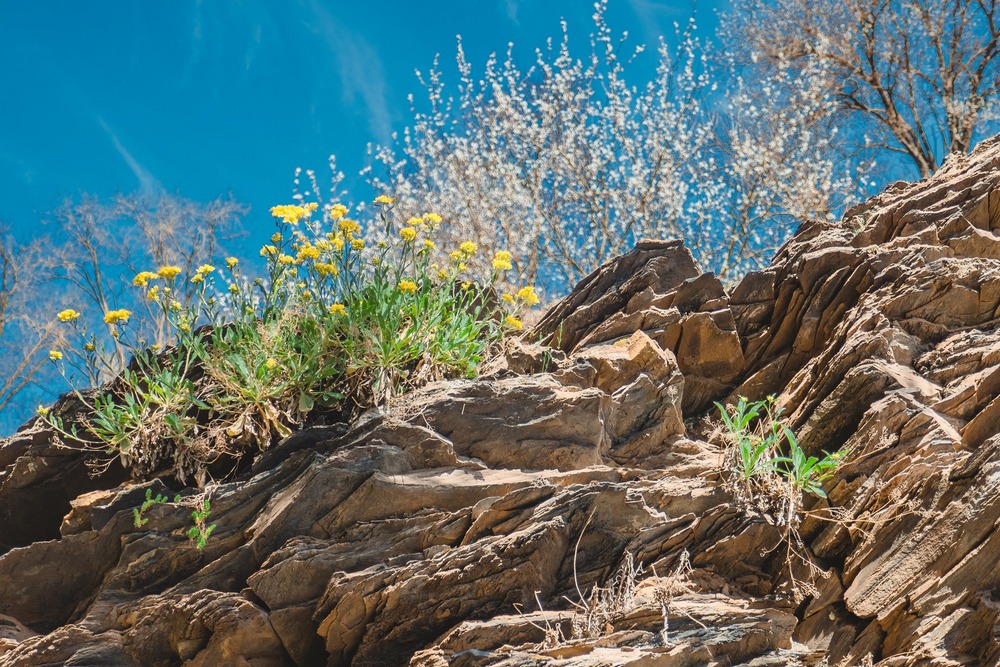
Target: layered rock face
569	507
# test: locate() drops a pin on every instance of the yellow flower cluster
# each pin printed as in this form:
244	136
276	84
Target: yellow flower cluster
270	364
68	315
55	355
468	248
142	278
119	316
408	234
501	261
326	269
292	213
231	263
528	296
169	272
513	322
202	271
337	309
336	241
308	251
407	286
268	250
338	211
350	227
384	199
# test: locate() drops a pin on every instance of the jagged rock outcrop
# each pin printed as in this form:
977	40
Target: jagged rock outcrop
470	522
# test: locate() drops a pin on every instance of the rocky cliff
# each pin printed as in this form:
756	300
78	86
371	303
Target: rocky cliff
570	507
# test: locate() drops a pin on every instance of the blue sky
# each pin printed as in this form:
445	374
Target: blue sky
203	98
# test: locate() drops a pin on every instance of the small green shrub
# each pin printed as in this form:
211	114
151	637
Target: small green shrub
340	320
201	531
138	513
769	469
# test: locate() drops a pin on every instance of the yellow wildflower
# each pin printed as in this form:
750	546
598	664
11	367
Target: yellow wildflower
507	298
308	252
349	227
184	326
169	272
277	238
428	244
286	259
415	221
175	305
432	218
42	411
323	245
231	263
326	269
270	364
197	278
119	316
205	269
338	211
291	213
268	251
469	248
234	289
358	244
55	355
456	255
89	347
407	286
337	309
338	243
513	322
501	261
153	293
142	279
408	234
442	275
68	315
384	199
527	295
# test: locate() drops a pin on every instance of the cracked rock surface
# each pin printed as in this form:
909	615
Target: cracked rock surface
470	521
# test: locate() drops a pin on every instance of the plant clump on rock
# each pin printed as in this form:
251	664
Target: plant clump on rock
343	318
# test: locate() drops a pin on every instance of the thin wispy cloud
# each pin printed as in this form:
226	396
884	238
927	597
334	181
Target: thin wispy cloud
658	17
510	6
359	69
148	184
197	43
257	35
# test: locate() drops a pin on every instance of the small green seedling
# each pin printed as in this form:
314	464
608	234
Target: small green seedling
201	531
138	512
